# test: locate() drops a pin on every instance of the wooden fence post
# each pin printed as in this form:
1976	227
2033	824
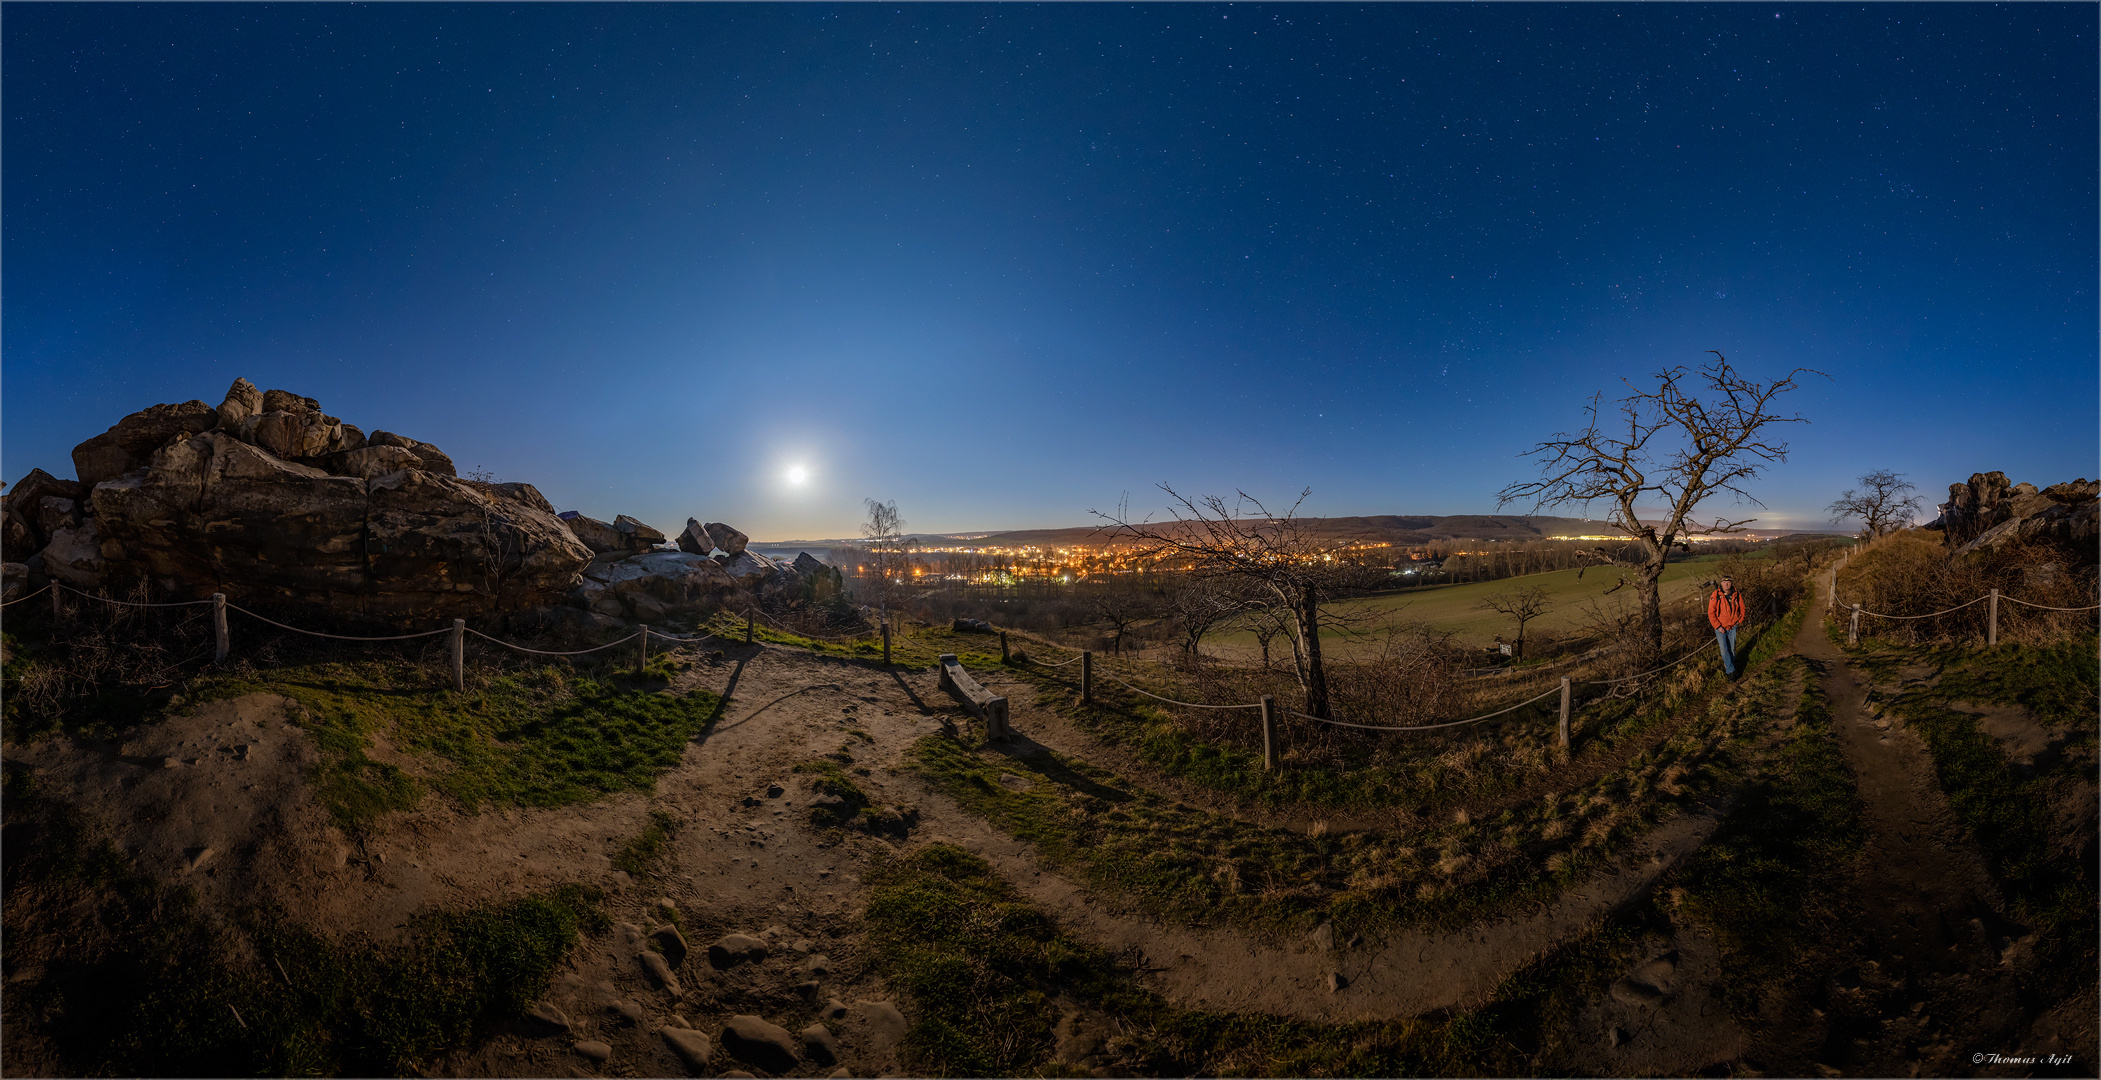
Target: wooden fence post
1004	656
1086	677
1269	732
886	644
459	655
1991	633
1566	694
58	610
642	650
1853	630
219	626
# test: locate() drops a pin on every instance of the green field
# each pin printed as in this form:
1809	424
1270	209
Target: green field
1457	608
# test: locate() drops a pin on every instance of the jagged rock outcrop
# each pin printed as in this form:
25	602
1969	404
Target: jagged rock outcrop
268	497
647	588
640	538
1987	512
601	538
729	540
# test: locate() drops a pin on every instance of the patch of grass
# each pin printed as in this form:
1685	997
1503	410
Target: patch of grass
988	977
1767	882
542	737
832	782
643	852
2048	877
1186	864
128	977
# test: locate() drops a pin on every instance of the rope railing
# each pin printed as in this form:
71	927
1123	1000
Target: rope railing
126	603
1427	727
1643	674
19	599
231	606
2047	607
785	628
544	652
1929	615
1171	701
1991	628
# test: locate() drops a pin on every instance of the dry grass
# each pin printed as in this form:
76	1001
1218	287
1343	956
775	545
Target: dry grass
1911	573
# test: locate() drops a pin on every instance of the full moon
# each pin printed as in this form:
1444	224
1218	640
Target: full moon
797	474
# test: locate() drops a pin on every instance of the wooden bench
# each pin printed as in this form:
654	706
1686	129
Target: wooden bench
983	703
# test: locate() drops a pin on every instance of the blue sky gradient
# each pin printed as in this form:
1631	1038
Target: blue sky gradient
1003	264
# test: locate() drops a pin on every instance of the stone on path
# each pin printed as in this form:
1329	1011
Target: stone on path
628	1009
671	943
820	1045
755	1042
550	1016
734	949
660	972
817	966
834	1009
692	1048
1336	981
595	1050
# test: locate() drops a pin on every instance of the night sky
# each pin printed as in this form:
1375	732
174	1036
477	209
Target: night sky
1002	264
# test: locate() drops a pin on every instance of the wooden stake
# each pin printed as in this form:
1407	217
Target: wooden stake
886	644
642	650
459	655
1004	656
1853	630
1269	732
1991	633
219	625
1566	694
1086	677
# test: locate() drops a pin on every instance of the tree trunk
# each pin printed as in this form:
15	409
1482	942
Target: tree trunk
1309	631
1652	607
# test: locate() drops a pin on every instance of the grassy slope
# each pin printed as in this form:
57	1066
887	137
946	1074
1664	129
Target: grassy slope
1457	608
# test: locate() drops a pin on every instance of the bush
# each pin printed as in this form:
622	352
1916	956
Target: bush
1910	573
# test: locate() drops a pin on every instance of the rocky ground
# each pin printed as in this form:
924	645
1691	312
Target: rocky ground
760	961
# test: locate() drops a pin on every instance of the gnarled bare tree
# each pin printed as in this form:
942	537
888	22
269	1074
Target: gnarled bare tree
1678	445
1524	605
1281	553
1882	503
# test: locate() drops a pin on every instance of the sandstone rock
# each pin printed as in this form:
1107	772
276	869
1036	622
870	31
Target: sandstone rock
746	564
629	1012
14	580
660	972
373	462
595	1050
18	538
302	435
729	540
287	401
808	565
696	539
756	1042
431	459
74	556
429	535
243	400
671	943
641	539
149	429
817	966
54	513
30	491
100	459
1336	981
834	1009
820	1045
600	537
692	1048
734	949
647	587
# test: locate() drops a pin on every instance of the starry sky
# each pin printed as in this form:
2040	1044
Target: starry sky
1003	264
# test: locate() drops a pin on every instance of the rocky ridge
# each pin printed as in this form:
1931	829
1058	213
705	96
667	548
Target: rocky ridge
267	498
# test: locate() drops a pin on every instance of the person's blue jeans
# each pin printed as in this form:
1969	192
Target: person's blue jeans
1727	636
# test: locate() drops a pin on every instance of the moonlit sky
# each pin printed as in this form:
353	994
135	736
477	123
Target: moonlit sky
1003	264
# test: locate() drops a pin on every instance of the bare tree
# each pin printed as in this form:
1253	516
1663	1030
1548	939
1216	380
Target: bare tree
1524	605
1883	502
1670	446
1196	605
1122	602
889	556
1280	553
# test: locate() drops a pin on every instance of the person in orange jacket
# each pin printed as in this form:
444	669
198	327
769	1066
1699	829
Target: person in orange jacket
1725	612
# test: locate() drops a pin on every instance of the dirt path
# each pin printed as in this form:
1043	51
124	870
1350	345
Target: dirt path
1939	955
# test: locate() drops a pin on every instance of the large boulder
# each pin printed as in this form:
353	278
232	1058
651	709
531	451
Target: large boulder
74	556
729	540
695	539
601	538
373	462
808	565
429	458
18	537
31	490
54	513
2066	516
640	538
646	588
243	400
149	429
212	513
1975	506
100	458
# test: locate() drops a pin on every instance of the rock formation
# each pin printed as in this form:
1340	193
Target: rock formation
1987	511
268	498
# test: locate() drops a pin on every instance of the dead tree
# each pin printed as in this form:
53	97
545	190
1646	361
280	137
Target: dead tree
1524	605
1195	605
1280	553
1122	603
1670	447
890	558
1882	503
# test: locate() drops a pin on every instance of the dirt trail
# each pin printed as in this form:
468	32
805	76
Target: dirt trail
1939	954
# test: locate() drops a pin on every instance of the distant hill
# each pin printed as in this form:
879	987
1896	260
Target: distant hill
1380	528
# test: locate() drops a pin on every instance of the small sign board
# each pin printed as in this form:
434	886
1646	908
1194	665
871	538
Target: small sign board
1505	649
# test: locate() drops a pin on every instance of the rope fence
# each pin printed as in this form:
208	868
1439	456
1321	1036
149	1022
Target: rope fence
1991	626
19	599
